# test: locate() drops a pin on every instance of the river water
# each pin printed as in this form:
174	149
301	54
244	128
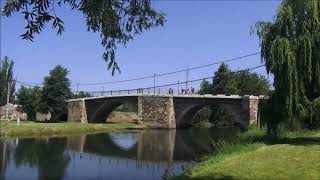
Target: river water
145	154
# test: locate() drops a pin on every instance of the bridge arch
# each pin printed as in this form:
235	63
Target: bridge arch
99	110
186	108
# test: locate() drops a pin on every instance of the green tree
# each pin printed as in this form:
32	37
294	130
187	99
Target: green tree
118	21
290	48
7	81
205	88
249	83
29	99
227	82
240	82
223	81
55	92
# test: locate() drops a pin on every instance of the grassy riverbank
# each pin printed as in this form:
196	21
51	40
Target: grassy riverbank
257	156
28	128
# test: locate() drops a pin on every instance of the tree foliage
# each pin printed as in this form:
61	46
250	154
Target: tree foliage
6	80
118	21
205	87
249	83
52	97
224	81
241	82
227	82
29	99
290	48
55	91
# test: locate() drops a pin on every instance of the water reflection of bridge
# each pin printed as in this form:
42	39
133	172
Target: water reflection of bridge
150	145
144	154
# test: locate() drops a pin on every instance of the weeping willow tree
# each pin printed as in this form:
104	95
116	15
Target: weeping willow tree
290	48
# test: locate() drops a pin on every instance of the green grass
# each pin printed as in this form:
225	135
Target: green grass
294	155
43	129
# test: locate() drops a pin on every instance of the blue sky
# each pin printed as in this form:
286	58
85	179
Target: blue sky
196	33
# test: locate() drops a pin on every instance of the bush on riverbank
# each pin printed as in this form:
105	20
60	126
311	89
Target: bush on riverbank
255	155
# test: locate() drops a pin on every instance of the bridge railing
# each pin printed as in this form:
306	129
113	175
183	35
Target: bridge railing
159	91
151	90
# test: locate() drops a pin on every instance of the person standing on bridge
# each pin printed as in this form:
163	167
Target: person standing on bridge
192	91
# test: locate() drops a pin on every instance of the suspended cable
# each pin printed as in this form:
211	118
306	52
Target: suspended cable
27	84
168	73
172	84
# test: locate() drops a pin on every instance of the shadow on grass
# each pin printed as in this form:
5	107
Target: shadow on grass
220	177
302	141
270	140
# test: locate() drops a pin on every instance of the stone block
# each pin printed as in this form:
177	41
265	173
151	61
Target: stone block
77	111
43	117
157	111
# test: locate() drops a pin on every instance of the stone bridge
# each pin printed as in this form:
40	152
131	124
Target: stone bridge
163	111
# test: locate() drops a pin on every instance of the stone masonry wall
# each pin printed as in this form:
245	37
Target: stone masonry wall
156	111
253	111
250	109
77	111
13	112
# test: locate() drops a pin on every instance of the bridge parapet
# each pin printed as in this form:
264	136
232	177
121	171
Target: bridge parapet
169	95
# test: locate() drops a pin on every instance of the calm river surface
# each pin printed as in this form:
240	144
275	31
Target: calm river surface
145	154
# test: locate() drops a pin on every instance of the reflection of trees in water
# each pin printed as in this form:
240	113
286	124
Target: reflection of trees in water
4	157
168	172
48	156
193	143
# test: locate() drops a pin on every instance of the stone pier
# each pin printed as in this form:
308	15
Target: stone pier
156	111
77	111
